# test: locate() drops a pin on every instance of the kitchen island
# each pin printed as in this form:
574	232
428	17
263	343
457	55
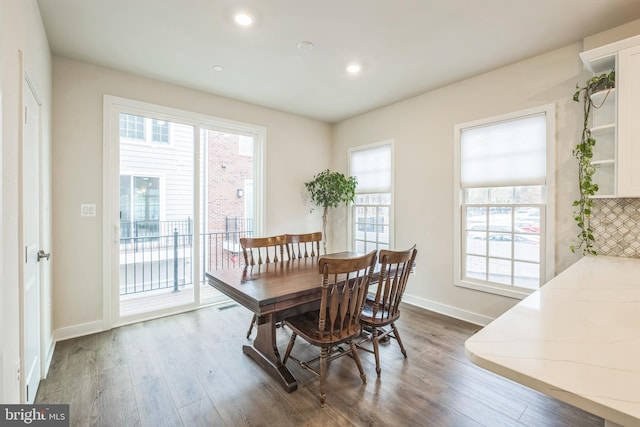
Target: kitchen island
577	339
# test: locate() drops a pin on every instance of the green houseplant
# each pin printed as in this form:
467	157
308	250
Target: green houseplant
583	152
328	190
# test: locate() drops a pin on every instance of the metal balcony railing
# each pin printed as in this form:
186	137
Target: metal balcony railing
162	261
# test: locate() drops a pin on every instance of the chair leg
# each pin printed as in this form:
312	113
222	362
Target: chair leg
324	353
289	347
253	321
396	334
376	349
356	358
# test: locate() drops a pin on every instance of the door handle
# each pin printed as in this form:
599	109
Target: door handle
43	254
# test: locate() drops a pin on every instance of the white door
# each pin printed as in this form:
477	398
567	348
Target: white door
31	241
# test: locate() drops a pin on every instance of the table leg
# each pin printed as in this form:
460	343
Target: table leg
265	352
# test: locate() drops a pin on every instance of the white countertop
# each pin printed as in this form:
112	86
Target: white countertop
577	339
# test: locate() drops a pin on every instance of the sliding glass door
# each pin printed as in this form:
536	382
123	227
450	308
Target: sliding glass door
182	195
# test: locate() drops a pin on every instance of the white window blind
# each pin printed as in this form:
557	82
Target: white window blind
512	152
372	167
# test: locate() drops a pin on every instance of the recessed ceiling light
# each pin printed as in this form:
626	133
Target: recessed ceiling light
353	68
243	19
305	45
218	67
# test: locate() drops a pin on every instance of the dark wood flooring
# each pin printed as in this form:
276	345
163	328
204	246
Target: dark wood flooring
189	370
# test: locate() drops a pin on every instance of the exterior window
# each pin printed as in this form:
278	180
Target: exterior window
160	131
132	127
371	215
139	206
143	129
503	202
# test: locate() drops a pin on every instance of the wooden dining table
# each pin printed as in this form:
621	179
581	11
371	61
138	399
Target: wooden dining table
273	292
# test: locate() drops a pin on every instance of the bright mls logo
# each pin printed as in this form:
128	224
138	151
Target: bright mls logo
34	415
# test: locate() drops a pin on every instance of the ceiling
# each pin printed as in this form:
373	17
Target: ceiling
405	47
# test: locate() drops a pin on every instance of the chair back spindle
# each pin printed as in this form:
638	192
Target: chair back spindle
394	274
262	250
345	283
303	245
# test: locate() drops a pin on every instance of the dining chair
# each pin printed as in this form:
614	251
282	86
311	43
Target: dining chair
344	285
383	308
261	250
303	245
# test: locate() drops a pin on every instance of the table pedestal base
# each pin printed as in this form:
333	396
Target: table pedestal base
279	371
265	352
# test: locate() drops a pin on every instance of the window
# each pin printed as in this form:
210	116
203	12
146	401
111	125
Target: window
503	209
139	206
132	126
160	131
144	129
371	213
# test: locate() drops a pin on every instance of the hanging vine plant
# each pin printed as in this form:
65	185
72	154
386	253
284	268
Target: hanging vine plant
583	151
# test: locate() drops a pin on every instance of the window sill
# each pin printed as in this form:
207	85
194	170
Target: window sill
491	288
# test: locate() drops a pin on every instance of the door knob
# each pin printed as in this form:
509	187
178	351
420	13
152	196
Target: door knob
43	254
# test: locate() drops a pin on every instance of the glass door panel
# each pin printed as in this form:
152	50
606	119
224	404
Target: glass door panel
156	214
226	200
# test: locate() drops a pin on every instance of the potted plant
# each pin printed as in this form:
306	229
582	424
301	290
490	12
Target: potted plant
328	190
583	151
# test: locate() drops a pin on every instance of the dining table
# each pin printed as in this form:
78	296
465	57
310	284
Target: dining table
273	291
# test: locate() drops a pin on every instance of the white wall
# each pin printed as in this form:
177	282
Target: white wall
20	30
296	149
624	31
422	128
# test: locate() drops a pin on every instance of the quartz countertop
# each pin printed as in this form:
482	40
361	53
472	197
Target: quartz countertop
577	339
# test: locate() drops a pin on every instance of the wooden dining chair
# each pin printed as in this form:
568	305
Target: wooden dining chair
303	245
383	308
261	250
345	282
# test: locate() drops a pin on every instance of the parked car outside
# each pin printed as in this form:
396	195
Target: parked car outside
518	238
528	226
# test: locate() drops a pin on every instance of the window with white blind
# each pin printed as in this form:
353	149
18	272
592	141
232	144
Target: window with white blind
503	207
371	214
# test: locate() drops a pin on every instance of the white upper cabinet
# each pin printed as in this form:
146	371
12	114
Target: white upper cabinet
629	121
617	134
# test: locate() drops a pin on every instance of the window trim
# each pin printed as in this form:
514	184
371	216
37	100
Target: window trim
350	221
548	254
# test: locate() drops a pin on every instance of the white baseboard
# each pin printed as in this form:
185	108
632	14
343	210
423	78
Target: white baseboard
99	326
447	310
79	330
48	357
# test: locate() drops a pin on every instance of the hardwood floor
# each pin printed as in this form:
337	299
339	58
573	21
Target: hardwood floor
189	370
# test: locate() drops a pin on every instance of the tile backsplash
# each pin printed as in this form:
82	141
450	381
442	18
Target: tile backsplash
616	227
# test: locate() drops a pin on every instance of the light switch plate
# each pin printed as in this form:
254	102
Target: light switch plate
88	210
